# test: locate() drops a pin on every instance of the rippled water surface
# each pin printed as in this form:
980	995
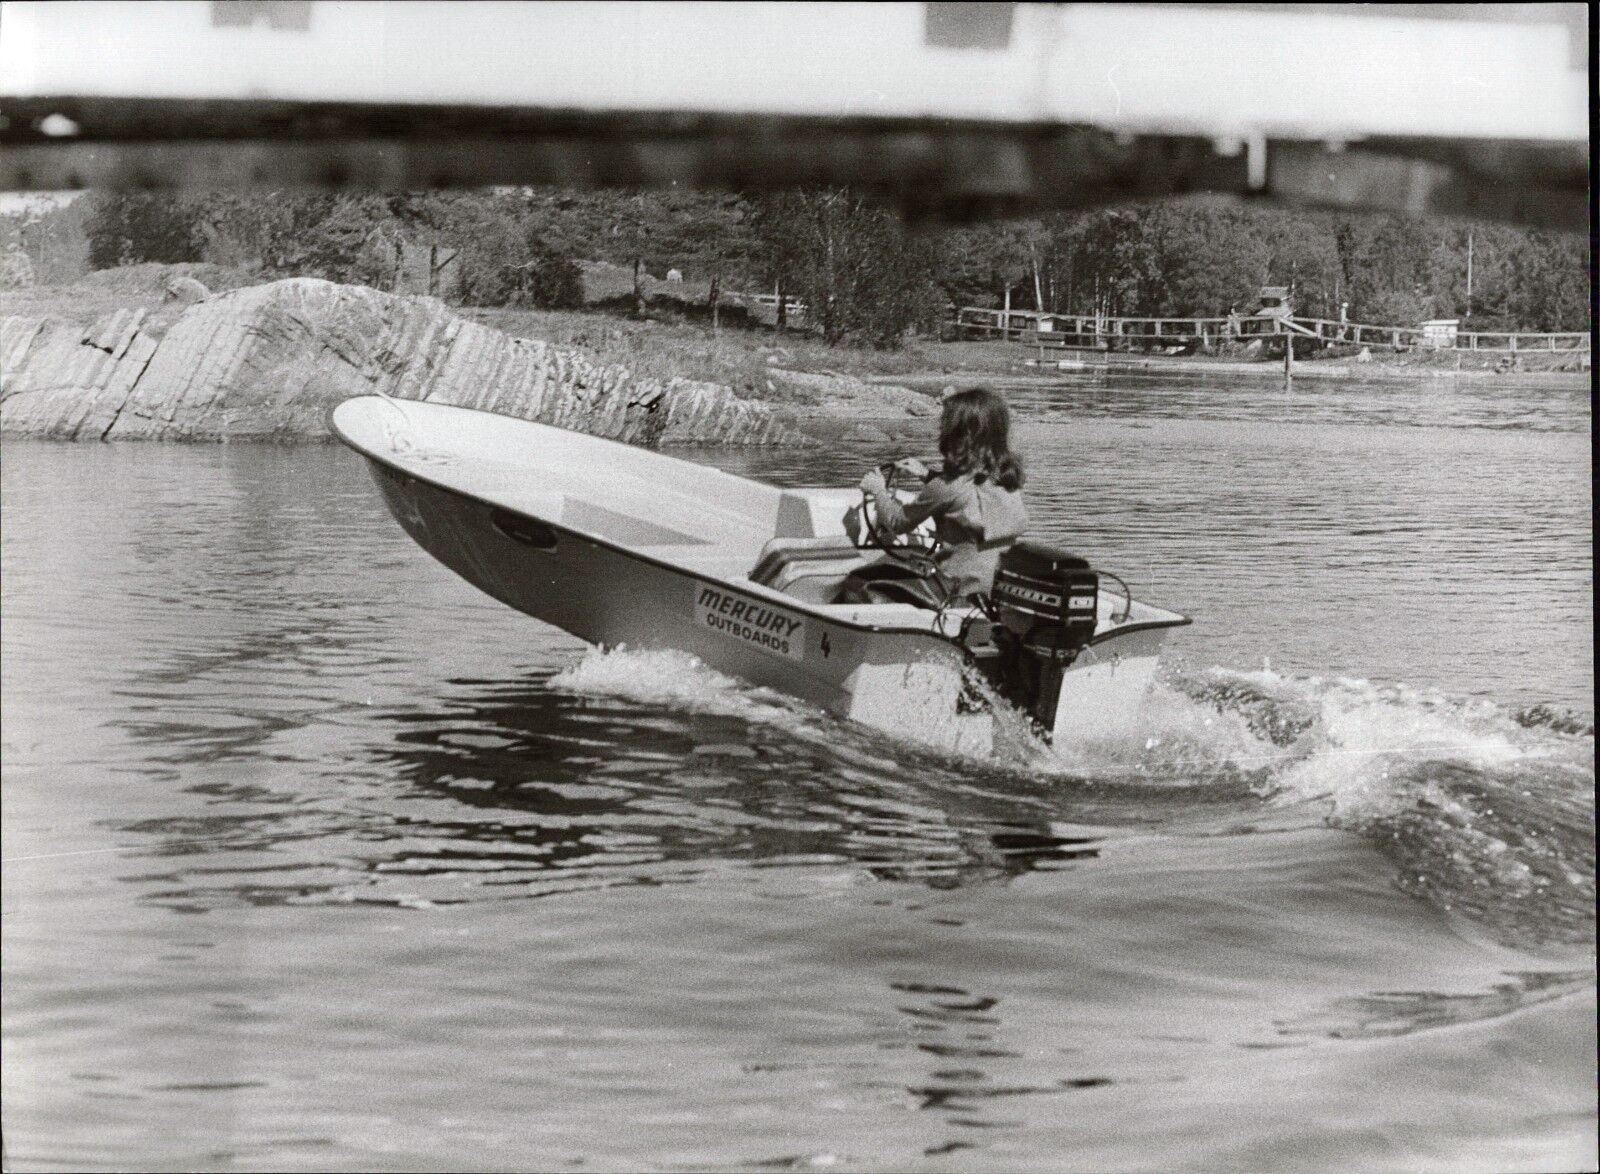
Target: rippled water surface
317	859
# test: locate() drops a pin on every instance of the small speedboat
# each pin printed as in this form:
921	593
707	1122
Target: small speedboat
623	546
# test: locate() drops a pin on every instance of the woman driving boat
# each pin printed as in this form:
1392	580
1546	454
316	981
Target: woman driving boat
975	502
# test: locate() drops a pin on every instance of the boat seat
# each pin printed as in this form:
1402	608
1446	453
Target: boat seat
811	569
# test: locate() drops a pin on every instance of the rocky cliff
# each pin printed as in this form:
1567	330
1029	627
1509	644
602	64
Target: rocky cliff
268	362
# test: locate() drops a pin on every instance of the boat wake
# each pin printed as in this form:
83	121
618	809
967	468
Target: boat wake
679	681
1485	811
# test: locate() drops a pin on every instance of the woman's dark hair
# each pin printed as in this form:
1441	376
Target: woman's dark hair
975	437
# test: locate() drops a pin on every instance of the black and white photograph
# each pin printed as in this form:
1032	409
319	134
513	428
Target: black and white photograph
797	585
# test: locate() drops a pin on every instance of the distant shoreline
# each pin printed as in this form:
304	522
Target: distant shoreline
1375	371
77	356
1267	373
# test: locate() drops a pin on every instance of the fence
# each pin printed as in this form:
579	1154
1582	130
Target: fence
1106	333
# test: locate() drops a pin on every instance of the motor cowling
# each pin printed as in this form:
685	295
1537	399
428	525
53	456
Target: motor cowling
1046	601
1047	597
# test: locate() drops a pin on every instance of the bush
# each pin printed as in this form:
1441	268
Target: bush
128	227
552	282
16	270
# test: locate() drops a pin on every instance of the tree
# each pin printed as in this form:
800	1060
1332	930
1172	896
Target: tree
861	275
1301	254
776	249
50	234
1118	256
1212	260
979	264
1387	265
712	236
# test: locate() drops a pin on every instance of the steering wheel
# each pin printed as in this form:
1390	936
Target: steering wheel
872	534
913	554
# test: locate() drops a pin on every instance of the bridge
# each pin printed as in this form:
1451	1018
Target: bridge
948	109
1099	332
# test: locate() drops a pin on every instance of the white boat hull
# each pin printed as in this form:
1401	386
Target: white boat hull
650	570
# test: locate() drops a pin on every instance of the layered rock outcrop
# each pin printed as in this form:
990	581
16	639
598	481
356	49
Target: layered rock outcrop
268	362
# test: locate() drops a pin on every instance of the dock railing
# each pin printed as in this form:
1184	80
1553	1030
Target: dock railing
1089	331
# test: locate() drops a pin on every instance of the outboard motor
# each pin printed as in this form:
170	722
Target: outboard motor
1045	606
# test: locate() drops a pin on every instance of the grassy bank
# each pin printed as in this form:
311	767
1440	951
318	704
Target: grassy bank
739	358
133	287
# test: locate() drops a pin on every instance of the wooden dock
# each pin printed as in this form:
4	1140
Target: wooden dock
1092	332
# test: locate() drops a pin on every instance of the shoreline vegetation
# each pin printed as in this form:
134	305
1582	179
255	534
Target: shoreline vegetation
573	278
868	277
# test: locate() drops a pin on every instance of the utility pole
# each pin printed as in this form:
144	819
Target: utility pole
1469	273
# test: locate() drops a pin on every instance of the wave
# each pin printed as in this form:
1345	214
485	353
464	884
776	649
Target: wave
1553	717
1485	811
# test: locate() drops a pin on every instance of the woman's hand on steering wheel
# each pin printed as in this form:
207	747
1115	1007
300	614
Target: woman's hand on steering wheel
911	467
877	482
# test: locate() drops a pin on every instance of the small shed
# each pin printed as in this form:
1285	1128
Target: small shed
1440	333
1274	301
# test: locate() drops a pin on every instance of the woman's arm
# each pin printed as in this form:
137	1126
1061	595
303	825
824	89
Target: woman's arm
897	518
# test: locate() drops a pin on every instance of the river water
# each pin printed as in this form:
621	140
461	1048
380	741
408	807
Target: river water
315	859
